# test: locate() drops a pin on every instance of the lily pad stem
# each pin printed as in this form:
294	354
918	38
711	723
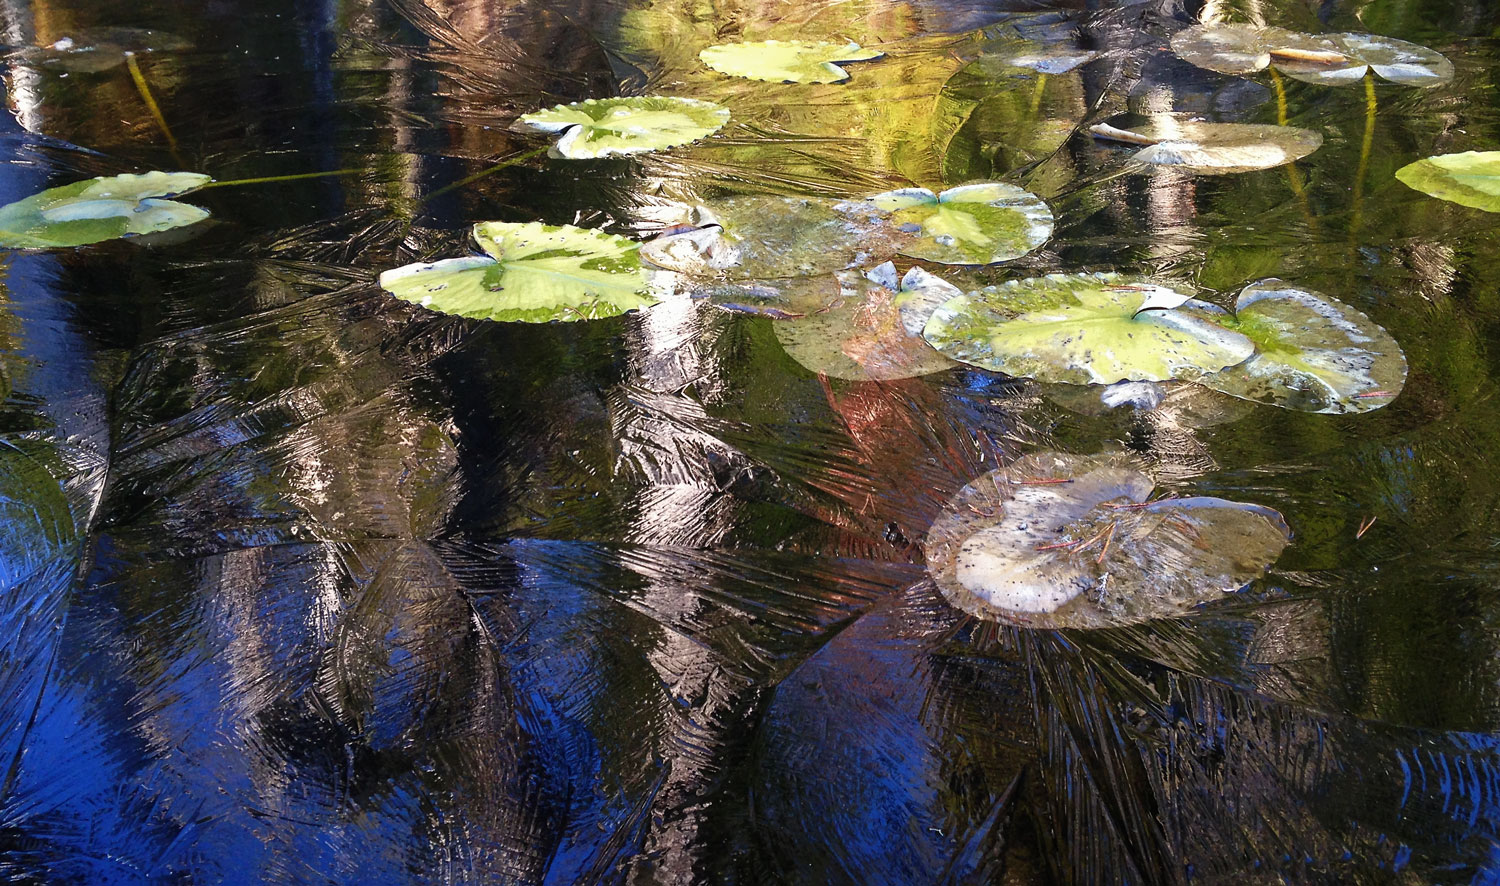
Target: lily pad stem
1293	174
1365	147
279	178
1036	93
145	90
507	162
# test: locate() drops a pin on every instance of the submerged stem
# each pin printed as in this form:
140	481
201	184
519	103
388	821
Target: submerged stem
1036	94
279	178
507	162
1293	174
145	90
1365	147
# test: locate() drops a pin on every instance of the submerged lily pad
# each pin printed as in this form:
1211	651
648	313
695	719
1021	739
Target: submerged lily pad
1213	148
791	61
1067	541
633	125
92	50
1313	353
1051	59
756	237
533	273
1082	329
1328	59
975	224
101	209
1471	178
866	336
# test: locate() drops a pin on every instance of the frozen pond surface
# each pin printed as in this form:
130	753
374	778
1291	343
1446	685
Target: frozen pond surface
303	584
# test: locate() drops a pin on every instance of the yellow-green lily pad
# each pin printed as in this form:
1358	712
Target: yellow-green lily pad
1083	329
789	61
617	126
99	209
974	224
1313	353
1471	178
532	273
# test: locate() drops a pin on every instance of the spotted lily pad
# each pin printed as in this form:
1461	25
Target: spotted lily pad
533	273
1067	541
1313	353
1082	329
634	125
761	237
1213	148
866	334
791	61
101	209
975	224
1471	178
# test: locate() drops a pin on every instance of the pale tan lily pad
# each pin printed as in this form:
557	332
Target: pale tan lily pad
1067	541
1212	148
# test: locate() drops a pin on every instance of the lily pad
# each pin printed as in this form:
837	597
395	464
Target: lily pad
1328	59
1395	60
533	273
791	61
1313	353
1082	329
101	209
1067	541
866	335
634	125
1213	148
974	224
1471	178
755	237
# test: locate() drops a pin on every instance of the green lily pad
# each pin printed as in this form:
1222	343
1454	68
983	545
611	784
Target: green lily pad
1066	541
865	336
634	125
974	224
1471	178
792	61
1313	354
1082	329
1213	148
101	209
534	273
755	237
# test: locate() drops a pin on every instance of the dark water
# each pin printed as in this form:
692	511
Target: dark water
302	584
